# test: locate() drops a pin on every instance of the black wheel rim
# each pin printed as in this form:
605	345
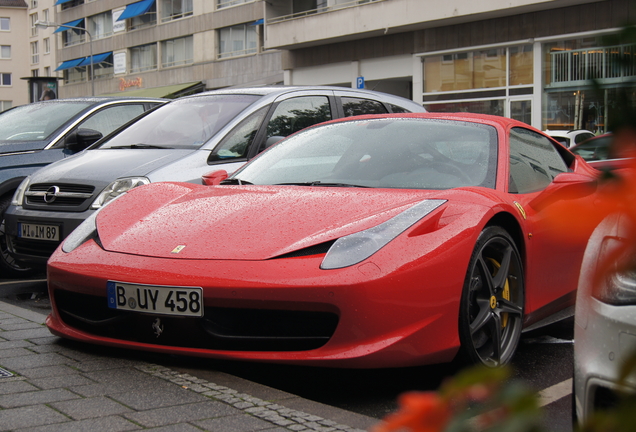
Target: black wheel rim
6	259
495	308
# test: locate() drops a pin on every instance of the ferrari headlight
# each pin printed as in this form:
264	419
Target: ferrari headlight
85	231
355	248
117	188
18	196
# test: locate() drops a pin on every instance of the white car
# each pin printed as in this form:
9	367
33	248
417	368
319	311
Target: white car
605	323
570	138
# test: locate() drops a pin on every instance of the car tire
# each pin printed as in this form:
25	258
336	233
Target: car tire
491	307
10	268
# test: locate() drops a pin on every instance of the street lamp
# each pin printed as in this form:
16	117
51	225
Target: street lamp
45	24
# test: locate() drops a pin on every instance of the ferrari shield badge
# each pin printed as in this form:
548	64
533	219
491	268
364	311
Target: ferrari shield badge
521	210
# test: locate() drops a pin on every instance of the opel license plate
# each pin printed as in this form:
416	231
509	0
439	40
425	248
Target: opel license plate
163	300
38	232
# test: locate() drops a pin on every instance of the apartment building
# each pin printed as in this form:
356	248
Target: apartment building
164	48
527	59
14	61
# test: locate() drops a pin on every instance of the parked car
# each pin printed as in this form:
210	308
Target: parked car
605	323
373	241
181	141
37	134
597	152
570	138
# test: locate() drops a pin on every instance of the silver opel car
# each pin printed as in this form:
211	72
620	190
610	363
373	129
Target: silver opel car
181	141
604	323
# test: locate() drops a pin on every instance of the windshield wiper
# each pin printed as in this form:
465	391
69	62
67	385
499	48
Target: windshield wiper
140	146
319	183
235	181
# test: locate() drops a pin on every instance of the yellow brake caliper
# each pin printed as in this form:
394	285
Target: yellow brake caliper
505	294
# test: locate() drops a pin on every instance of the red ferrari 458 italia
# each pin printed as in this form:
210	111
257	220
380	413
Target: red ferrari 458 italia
374	241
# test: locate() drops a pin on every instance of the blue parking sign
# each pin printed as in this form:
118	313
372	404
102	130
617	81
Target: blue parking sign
360	82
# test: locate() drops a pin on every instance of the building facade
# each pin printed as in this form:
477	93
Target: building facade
14	59
530	59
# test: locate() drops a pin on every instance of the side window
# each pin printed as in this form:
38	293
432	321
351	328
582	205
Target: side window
294	114
534	162
237	142
358	106
109	119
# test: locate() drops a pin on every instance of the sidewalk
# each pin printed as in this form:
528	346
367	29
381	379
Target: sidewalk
48	384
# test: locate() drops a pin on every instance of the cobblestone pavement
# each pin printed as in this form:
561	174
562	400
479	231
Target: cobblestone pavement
48	384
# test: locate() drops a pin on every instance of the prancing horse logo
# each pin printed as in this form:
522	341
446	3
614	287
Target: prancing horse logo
157	327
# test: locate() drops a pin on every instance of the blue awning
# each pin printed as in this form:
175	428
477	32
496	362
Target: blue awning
258	22
68	64
136	9
97	58
75	23
58	2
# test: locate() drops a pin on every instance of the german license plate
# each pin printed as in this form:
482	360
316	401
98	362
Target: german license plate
163	300
39	232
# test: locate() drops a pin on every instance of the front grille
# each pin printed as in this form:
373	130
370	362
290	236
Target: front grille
68	195
233	329
36	248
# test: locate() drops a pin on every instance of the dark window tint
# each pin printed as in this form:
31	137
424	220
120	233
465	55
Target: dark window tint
398	109
357	106
534	161
236	143
294	114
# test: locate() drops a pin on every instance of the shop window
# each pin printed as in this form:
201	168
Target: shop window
521	65
238	40
494	107
101	25
143	58
177	52
175	9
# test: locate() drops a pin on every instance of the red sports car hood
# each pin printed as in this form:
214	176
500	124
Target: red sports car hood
178	220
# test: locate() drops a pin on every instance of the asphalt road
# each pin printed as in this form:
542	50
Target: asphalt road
543	362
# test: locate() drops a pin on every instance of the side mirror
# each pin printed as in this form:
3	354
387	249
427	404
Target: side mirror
214	178
81	139
565	186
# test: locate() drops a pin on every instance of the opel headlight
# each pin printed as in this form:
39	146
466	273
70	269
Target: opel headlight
18	196
355	248
117	188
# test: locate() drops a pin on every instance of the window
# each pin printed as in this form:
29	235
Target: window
177	52
103	69
100	26
47	45
35	53
35	72
227	3
175	9
5	105
5	51
76	74
357	106
144	20
5	79
47	71
45	15
74	36
34	4
237	143
143	58
5	24
71	4
33	19
534	161
297	113
109	119
238	40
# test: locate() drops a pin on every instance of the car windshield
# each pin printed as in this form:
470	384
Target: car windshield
184	123
383	153
36	122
